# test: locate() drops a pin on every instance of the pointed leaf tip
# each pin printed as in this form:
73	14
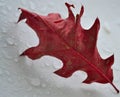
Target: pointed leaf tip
82	10
21	17
97	22
22	54
69	5
78	16
25	14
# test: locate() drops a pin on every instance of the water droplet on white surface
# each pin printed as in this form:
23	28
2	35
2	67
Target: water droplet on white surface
47	64
16	59
56	66
10	41
7	72
107	52
28	45
35	82
107	28
43	85
32	5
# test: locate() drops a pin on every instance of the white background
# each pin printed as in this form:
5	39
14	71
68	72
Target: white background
22	77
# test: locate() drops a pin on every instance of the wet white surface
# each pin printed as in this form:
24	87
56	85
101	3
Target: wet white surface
22	77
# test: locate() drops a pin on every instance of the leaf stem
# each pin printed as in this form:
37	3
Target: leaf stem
99	71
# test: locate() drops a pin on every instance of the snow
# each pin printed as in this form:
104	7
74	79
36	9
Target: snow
22	77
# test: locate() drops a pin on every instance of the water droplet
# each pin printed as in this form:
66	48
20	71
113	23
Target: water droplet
107	27
32	5
43	85
7	72
10	41
47	64
56	66
35	82
107	51
16	59
28	45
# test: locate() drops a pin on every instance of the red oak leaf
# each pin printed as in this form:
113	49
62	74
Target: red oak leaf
67	40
